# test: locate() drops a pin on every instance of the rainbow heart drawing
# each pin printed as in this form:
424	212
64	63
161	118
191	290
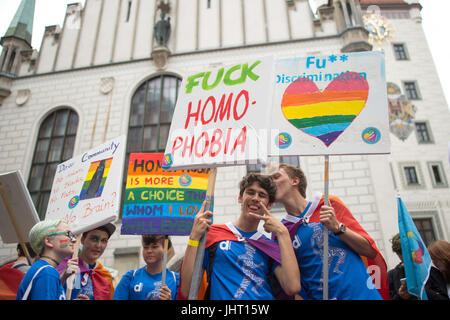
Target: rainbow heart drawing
325	114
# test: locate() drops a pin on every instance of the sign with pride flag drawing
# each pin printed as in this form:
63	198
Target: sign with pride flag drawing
221	115
158	201
330	105
86	189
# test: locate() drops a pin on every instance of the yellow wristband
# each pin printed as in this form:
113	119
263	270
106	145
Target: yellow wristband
193	243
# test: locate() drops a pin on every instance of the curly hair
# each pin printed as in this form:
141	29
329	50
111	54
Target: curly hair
396	244
264	182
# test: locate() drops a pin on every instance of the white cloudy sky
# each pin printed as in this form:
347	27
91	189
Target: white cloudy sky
434	13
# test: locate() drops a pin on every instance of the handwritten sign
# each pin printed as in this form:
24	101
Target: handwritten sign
158	201
333	104
86	189
219	116
16	208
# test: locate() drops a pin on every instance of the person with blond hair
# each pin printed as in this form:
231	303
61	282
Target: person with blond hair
52	240
351	248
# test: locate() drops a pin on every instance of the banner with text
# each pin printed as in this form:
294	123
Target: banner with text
158	201
86	189
219	116
330	105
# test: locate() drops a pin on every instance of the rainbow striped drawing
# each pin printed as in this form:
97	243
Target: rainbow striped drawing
325	114
95	180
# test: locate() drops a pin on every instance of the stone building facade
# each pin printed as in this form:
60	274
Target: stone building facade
103	72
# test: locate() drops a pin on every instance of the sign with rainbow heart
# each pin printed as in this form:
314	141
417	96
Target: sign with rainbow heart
158	201
86	189
330	105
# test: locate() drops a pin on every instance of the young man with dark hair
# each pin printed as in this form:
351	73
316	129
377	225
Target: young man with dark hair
146	283
243	259
94	281
350	247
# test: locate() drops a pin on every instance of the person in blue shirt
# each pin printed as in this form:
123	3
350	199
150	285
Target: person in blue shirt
348	277
241	268
53	241
146	283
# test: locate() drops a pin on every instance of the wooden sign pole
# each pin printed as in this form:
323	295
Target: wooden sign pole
166	245
71	278
325	235
197	273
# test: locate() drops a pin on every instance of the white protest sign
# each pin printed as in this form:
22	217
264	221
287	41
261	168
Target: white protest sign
330	105
219	116
16	208
86	189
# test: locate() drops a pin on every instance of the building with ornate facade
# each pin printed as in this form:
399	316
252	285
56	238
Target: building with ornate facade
114	67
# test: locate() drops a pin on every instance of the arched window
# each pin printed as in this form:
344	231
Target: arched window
55	144
151	113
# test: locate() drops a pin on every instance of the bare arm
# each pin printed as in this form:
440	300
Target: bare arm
287	272
357	242
201	225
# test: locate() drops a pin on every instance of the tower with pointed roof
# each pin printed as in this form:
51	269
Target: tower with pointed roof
15	42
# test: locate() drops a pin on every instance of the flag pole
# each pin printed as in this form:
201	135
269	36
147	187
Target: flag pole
197	273
325	234
70	280
166	245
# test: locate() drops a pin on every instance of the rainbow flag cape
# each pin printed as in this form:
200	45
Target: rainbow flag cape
10	280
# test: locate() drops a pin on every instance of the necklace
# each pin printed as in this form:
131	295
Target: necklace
56	262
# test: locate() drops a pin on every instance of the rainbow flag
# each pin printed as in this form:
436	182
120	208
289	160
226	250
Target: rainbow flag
158	201
325	115
95	179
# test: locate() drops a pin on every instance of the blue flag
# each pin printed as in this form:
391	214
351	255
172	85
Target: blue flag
416	259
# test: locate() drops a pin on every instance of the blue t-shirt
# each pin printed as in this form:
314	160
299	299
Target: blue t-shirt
83	284
141	285
46	285
239	272
348	278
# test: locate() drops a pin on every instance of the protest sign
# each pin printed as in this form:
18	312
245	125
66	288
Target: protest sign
219	116
158	201
17	212
86	189
330	105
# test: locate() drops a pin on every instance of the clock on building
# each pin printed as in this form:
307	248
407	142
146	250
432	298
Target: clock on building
379	28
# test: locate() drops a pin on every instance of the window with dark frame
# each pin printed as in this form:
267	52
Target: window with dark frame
411	175
400	52
54	145
411	90
425	228
151	114
423	134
